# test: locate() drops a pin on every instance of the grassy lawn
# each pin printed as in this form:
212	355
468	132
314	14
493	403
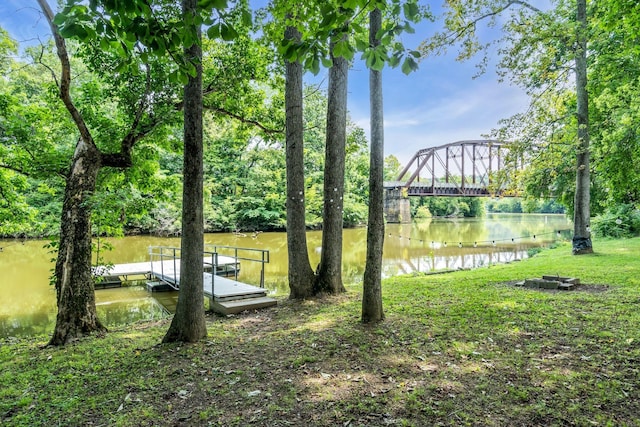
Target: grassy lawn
463	348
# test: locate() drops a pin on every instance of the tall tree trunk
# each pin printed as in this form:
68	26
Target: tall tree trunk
329	279
372	283
188	323
301	274
75	293
581	216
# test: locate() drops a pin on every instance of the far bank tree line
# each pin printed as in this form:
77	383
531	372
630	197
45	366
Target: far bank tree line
128	85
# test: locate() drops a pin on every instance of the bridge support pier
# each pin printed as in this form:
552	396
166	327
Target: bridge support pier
397	208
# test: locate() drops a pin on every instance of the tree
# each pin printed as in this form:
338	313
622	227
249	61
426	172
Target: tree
329	41
188	323
301	276
372	310
582	213
392	168
74	284
129	47
329	278
31	155
539	47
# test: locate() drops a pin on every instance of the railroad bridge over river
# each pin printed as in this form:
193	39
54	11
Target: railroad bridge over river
473	168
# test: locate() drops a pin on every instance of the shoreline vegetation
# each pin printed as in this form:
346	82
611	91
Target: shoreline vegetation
248	232
422	209
461	348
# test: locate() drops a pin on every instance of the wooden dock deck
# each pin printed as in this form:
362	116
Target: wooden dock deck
143	269
226	296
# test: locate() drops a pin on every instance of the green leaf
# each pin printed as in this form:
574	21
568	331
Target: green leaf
408	28
378	62
406	68
227	32
411	11
361	45
191	69
409	65
213	32
59	19
212	4
369	58
312	63
246	18
220	4
74	30
343	49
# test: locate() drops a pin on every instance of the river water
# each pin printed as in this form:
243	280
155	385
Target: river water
28	306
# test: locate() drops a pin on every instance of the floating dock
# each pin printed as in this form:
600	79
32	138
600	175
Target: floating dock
226	295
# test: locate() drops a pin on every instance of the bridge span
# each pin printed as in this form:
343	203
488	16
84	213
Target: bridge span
470	168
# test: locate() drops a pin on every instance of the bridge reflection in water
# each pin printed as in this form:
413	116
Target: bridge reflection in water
446	260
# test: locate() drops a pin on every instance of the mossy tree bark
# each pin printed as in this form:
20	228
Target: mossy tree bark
75	296
75	293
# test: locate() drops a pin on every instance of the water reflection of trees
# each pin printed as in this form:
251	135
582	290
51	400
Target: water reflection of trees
123	312
26	324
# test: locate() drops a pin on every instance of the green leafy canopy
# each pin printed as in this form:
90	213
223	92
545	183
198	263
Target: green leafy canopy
342	23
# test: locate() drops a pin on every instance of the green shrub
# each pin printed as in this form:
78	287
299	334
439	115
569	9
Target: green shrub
619	221
423	212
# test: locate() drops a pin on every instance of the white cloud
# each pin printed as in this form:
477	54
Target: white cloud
469	112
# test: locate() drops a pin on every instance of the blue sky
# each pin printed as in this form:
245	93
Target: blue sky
438	104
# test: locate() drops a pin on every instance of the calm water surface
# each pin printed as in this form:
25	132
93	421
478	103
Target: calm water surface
29	301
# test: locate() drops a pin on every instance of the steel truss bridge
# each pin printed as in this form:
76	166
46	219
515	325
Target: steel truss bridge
473	168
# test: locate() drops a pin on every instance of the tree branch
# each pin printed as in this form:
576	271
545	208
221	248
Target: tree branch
454	36
243	120
65	77
39	61
14	169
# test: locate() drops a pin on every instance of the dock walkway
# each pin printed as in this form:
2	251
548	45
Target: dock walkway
226	296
